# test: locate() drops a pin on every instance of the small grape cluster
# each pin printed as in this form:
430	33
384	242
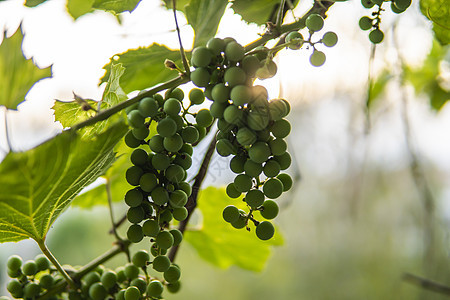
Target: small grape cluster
314	22
376	35
251	128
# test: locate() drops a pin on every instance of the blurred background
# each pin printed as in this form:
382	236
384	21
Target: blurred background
372	200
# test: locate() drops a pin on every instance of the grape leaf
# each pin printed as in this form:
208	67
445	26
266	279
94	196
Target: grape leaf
222	245
78	8
204	16
180	4
438	11
259	11
113	93
51	174
144	67
18	74
34	3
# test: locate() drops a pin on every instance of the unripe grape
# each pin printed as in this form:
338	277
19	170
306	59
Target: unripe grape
376	36
178	199
42	262
250	64
160	196
160	161
175	173
29	268
185	187
91	278
200	77
240	223
148	107
254	198
220	93
201	57
161	263
174	287
131	141
173	143
286	180
225	148
296	38
121	295
15	288
155	288
314	22
233	115
284	160
269	209
166	127
259	152
134	233
165	217
46	281
235	76
240	95
164	240
120	271
172	106
135	214
252	168
265	230
133	175
186	148
317	58
139	157
131	271
150	228
277	146
14	262
140	133
329	39
273	188
172	274
258	118
156	143
268	68
14	274
196	96
246	136
132	293
177	236
204	118
135	119
179	121
234	51
140	283
216	46
231	191
237	164
231	214
365	23
140	258
31	290
271	168
190	134
97	291
367	3
278	109
184	160
395	9
148	182
109	279
281	128
378	2
180	214
217	109
243	183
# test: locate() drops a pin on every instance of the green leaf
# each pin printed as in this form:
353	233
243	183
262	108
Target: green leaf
51	175
259	11
204	16
18	74
113	93
438	11
77	8
144	67
34	3
181	4
222	245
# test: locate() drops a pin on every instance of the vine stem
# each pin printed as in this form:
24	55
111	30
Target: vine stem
8	140
111	213
427	284
50	256
183	54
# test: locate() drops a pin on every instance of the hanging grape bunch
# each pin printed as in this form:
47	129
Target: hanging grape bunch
376	35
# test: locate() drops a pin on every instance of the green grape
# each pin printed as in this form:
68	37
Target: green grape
267	69
217	109
14	262
121	295
173	143
15	288
378	2
231	191
314	22
240	95
177	236
42	262
284	160
135	214
220	93
237	164
278	109
367	3
273	188
224	147
139	157
259	152
172	106
176	93
240	223
254	198
216	46
165	217
140	133
196	96
258	118
286	180
132	293
172	274
395	9
156	143
133	175
281	128
190	134
243	183
160	196
120	271
376	36
164	240
271	168
155	288
46	281
160	161
234	76
224	126
184	160
295	39
200	77
204	118
140	258
277	146
140	283
148	107
174	287
109	279
159	98
201	57
179	121
131	107
186	148
135	119
330	39
252	168
161	263
269	209
365	23
134	233
233	115
178	199
131	271
175	173
180	214
231	214
246	136
265	230
260	93
97	291
14	273
29	268
234	51
148	182
250	64
147	207
91	278
150	228
31	290
131	141
317	58
166	127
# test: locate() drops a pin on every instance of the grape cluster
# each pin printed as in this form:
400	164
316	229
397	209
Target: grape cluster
376	35
294	40
251	128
